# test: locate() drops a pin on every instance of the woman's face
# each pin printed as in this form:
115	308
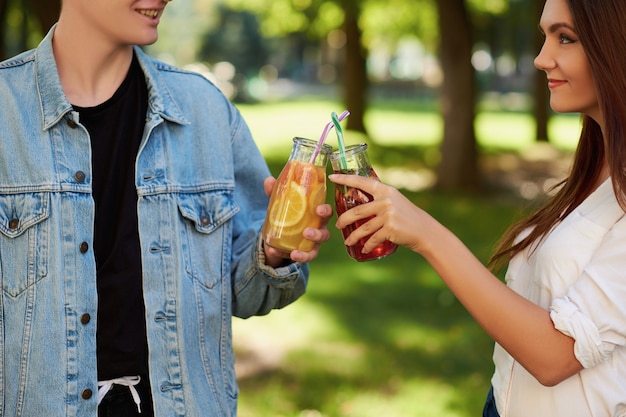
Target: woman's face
562	57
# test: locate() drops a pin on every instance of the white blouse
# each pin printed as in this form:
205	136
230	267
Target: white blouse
578	273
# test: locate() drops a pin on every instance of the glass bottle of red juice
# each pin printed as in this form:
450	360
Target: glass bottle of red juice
355	161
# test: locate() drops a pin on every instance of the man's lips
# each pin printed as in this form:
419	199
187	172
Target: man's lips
151	13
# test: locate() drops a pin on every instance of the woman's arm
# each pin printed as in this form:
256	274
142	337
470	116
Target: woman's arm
521	327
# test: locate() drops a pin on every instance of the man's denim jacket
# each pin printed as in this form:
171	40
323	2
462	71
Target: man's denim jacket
201	204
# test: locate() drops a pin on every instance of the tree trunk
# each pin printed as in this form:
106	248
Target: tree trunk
355	74
3	25
541	106
458	168
45	11
541	109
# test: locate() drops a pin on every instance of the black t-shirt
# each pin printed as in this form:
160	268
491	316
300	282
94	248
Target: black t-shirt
116	127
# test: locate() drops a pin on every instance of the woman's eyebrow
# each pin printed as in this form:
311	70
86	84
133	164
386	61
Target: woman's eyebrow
556	26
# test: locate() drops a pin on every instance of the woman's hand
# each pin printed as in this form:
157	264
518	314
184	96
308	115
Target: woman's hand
396	218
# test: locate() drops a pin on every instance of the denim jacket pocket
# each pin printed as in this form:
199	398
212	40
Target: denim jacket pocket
205	216
23	240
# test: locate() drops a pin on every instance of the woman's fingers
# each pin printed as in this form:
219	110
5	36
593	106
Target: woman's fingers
369	185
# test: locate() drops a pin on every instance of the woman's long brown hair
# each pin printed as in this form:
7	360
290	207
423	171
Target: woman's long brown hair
599	25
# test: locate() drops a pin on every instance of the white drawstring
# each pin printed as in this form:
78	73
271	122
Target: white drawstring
128	381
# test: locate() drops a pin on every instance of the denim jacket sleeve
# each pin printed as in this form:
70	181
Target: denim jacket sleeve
201	159
257	288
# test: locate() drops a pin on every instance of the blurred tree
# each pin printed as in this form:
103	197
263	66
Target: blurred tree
507	27
4	7
317	18
361	22
355	79
458	167
514	34
541	107
45	12
42	13
365	22
236	39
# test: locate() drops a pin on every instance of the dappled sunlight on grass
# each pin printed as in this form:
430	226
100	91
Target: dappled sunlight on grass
414	397
274	124
516	131
404	128
505	130
564	131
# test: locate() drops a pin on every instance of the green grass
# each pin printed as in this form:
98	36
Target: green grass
382	338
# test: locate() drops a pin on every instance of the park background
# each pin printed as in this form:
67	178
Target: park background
455	115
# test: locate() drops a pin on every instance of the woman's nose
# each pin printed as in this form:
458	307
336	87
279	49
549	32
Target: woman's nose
543	61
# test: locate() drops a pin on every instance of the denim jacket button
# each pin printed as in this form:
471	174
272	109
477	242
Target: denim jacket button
71	123
205	220
84	247
85	318
86	394
79	176
13	224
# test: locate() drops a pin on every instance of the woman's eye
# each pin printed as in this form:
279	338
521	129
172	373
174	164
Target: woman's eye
565	40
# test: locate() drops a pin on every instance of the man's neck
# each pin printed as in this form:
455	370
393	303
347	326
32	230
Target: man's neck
90	69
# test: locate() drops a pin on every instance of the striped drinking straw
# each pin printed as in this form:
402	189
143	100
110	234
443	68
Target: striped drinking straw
342	147
325	132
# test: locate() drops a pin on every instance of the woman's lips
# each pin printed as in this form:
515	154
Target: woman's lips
555	83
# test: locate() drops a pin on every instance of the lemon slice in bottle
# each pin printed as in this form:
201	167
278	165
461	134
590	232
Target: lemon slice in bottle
317	197
292	210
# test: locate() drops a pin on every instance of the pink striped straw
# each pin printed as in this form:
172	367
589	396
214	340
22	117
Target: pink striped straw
325	132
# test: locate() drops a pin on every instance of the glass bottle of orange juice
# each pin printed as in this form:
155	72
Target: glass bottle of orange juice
299	189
